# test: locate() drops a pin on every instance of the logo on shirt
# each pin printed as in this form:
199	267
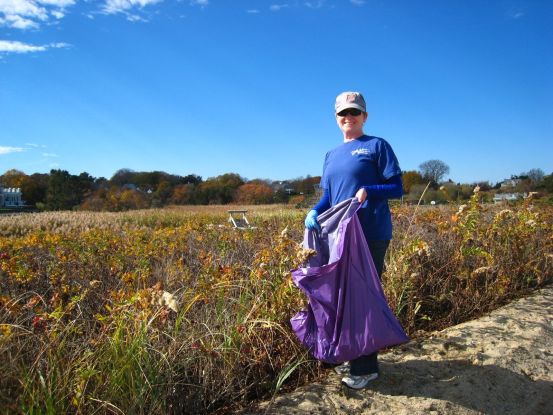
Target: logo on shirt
360	151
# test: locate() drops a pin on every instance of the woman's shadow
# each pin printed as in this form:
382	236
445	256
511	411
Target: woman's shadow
488	389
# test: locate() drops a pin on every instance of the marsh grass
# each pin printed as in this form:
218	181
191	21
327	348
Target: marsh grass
453	264
172	311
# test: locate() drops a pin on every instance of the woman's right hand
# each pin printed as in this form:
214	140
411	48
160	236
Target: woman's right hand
311	221
361	195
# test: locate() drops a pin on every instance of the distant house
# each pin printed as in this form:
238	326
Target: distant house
508	197
288	188
510	183
11	197
507	191
283	186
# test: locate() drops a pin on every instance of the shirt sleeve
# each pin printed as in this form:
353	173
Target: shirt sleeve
388	165
392	189
324	179
324	203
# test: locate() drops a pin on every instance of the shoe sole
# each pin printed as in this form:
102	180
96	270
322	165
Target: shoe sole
371	379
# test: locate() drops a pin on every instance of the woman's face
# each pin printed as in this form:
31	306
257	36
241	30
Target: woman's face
350	124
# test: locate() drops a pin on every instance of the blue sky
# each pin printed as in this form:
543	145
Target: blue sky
248	86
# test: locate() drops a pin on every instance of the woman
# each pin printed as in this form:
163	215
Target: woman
367	168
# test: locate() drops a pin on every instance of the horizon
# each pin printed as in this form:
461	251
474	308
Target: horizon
207	87
447	179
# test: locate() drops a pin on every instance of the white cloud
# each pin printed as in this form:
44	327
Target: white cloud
122	6
277	7
357	2
516	14
252	11
49	155
202	3
28	8
28	14
14	46
8	150
315	4
58	3
135	18
57	14
18	22
59	45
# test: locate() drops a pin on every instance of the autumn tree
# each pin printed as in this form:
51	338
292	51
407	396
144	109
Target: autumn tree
410	178
96	201
255	193
190	179
129	199
415	192
85	184
122	176
183	194
219	190
547	183
33	187
162	194
115	199
281	196
451	191
66	191
13	178
305	185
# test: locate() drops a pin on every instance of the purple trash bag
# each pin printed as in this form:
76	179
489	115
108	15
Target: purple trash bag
347	315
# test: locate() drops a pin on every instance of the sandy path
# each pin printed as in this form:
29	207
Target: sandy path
501	363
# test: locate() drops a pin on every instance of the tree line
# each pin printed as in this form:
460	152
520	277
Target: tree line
427	184
128	189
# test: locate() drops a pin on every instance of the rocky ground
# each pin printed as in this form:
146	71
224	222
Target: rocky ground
501	363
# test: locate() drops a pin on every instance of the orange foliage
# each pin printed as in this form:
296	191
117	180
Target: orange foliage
254	194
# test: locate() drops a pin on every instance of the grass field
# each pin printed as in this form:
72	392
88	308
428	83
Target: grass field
173	311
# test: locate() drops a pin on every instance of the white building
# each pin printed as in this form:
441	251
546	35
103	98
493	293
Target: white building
508	197
10	197
510	183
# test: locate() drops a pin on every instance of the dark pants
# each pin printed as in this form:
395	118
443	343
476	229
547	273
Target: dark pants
365	365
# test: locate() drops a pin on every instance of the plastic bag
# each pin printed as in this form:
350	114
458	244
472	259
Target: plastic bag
347	315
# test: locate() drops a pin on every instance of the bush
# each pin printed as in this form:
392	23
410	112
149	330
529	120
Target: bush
172	311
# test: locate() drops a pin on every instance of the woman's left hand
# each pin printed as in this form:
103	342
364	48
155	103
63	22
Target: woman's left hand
361	195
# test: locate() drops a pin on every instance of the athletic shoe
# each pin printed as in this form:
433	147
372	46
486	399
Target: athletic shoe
342	369
358	382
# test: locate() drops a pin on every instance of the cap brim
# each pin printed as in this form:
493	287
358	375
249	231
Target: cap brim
349	105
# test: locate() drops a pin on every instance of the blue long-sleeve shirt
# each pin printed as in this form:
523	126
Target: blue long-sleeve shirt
367	162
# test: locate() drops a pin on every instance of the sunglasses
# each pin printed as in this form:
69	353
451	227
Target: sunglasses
350	111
